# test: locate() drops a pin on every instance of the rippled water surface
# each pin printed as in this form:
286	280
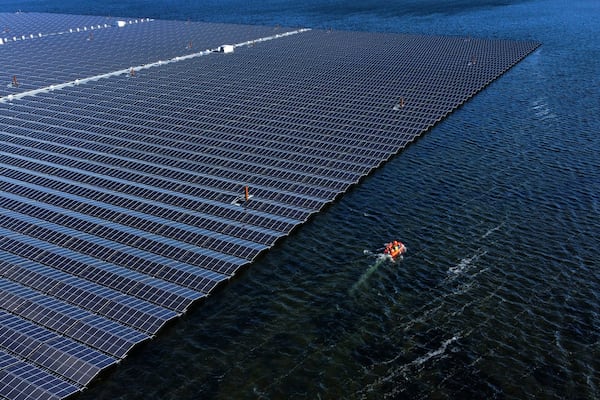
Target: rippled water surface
499	205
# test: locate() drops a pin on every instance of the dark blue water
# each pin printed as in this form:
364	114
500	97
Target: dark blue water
499	205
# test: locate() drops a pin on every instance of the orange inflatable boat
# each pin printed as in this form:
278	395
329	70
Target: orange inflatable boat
394	249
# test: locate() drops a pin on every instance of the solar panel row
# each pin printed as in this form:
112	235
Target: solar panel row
120	278
87	296
126	218
22	380
64	356
117	231
134	209
95	179
151	174
97	46
122	199
79	323
22	26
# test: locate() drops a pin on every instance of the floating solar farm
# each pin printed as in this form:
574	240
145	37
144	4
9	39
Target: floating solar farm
144	162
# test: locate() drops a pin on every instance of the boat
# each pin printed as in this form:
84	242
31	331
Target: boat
394	249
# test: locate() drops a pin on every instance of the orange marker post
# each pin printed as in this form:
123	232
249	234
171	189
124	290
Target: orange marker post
246	193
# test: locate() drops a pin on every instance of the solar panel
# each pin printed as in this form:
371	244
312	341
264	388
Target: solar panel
22	380
90	297
50	351
142	165
112	338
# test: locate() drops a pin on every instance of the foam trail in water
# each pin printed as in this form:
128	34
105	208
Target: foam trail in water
492	230
466	263
405	368
381	258
542	109
434	353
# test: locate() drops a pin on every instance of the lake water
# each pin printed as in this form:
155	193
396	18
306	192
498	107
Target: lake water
499	206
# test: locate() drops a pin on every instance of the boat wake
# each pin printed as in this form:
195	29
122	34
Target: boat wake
492	230
465	264
380	259
406	369
542	110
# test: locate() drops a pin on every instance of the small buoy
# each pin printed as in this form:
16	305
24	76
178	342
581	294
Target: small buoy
243	199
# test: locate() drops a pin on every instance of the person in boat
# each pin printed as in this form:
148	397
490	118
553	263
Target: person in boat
394	248
388	249
399	247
